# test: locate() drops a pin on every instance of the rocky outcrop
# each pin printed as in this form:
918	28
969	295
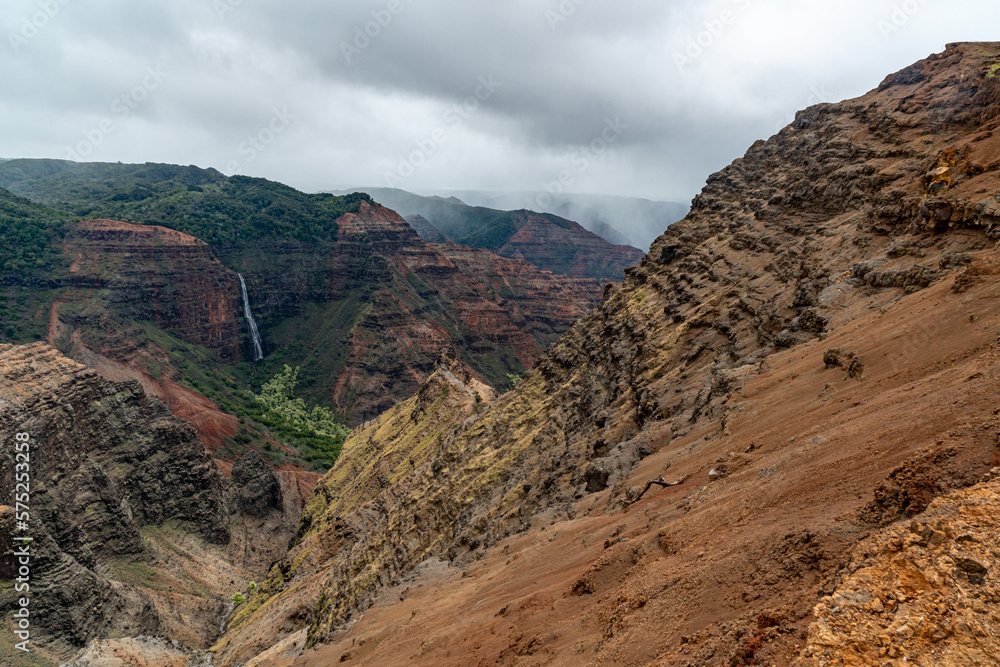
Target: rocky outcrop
135	530
706	359
106	463
255	489
922	592
143	273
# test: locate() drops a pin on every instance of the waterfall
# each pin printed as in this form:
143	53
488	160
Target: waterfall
258	351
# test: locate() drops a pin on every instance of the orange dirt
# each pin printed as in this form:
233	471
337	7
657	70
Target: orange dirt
707	567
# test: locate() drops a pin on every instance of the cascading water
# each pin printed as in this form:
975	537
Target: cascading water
258	351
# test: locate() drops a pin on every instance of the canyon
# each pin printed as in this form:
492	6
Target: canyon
775	442
806	358
355	299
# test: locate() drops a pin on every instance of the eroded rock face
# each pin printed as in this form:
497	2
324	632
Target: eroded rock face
146	273
808	235
106	462
255	489
136	531
920	592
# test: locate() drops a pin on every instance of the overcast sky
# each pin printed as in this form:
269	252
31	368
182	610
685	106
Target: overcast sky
629	97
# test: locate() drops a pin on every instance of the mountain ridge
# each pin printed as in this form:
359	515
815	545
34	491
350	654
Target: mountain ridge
798	272
340	287
547	241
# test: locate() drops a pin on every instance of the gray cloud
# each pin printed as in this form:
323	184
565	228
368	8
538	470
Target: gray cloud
693	84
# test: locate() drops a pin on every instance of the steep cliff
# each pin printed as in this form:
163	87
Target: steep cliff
811	353
129	274
135	530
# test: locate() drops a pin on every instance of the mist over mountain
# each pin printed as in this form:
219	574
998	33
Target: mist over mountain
620	220
548	241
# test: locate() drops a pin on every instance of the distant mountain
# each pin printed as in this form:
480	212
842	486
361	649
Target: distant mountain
628	220
139	278
425	229
548	241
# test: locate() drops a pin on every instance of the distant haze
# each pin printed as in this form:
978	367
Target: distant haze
637	99
637	221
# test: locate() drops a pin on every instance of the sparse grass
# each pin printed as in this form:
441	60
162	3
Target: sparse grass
10	656
134	572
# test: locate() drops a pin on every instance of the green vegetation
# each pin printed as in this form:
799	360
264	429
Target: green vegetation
205	203
23	312
513	379
994	70
315	428
238	599
29	237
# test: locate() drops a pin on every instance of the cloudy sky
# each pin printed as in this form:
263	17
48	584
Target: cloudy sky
629	97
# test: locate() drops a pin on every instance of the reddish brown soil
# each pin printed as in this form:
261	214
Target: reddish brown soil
711	570
213	425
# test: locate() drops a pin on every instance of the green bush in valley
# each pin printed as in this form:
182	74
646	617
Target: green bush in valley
315	427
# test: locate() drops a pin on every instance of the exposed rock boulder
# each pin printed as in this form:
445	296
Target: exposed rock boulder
254	486
920	592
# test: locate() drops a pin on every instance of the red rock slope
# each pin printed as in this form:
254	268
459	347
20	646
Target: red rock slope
813	353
